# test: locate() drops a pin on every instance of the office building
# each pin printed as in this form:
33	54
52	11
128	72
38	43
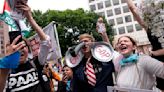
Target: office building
4	38
117	14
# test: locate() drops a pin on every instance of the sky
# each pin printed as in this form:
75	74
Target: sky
44	5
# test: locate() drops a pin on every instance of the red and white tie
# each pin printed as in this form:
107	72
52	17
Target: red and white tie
90	73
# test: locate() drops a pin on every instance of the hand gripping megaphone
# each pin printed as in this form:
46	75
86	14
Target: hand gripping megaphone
101	51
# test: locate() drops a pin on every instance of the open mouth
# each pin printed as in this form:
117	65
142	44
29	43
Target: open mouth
84	47
22	54
123	47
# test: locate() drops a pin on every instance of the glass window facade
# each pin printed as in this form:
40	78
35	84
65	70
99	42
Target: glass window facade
111	22
92	7
115	2
138	27
101	13
117	11
130	28
121	30
119	20
107	3
123	1
114	31
100	5
125	9
91	0
109	13
128	18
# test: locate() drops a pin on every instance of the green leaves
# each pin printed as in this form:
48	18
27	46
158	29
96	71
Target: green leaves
71	23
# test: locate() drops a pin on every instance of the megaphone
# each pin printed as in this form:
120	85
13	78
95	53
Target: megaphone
74	55
101	51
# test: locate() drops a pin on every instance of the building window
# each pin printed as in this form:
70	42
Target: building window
123	1
109	13
117	11
111	22
121	30
92	7
119	20
101	13
115	2
115	31
91	0
134	18
130	28
128	18
1	42
107	3
2	47
138	27
125	9
100	5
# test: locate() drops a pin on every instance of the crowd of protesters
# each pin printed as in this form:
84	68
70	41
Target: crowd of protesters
21	73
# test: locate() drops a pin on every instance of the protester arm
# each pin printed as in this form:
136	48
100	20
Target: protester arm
55	75
36	27
135	13
44	50
103	34
27	13
159	52
45	43
45	40
105	37
10	61
3	78
153	66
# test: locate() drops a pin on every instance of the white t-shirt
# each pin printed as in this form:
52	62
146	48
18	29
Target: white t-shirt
142	77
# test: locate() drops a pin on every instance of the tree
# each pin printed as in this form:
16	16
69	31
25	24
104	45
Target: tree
71	23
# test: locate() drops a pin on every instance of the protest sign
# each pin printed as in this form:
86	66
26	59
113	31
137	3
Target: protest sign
55	52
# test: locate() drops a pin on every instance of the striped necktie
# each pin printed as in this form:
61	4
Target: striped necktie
90	73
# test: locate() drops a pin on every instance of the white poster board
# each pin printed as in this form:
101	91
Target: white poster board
55	51
118	89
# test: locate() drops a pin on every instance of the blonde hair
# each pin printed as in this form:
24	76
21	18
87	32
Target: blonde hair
85	35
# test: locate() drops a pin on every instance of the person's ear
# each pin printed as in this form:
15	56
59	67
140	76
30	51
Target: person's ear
134	47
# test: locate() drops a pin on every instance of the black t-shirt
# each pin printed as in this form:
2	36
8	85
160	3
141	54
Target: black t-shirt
25	78
156	45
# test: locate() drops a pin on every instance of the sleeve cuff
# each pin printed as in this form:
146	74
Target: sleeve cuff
46	42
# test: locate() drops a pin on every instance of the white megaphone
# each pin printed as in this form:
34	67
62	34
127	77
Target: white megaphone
74	55
101	51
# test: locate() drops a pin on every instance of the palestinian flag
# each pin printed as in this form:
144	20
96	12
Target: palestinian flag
5	16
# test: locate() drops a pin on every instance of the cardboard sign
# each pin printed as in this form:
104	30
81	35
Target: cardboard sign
54	52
